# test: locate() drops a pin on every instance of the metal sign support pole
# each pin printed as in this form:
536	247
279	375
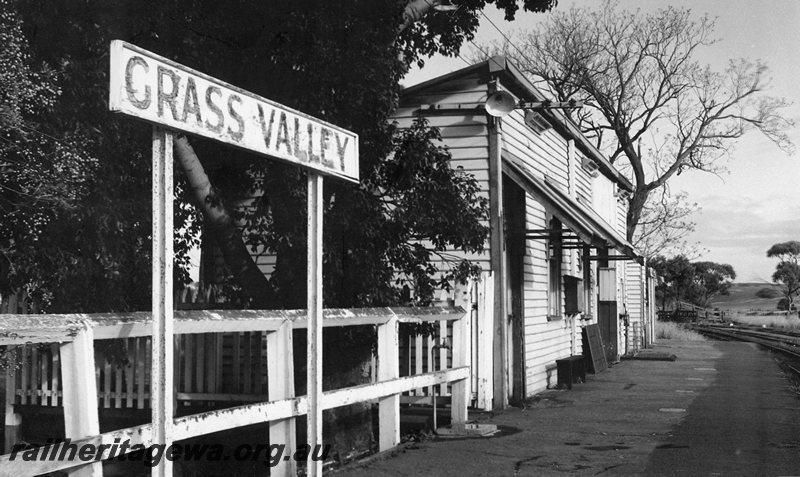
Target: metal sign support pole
314	304
161	390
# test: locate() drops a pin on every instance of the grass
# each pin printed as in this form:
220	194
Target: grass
743	306
667	330
742	297
778	321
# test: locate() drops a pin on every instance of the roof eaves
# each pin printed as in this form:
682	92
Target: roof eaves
444	78
580	218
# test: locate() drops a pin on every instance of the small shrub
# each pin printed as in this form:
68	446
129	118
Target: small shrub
667	330
783	305
768	292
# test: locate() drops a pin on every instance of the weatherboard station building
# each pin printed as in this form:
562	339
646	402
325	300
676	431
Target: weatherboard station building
557	253
556	262
557	259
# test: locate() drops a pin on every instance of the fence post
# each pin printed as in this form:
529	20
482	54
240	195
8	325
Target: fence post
460	394
13	421
442	356
485	330
80	394
280	375
388	368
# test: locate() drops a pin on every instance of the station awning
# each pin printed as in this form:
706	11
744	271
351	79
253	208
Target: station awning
583	221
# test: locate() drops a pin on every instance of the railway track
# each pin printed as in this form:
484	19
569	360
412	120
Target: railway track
783	341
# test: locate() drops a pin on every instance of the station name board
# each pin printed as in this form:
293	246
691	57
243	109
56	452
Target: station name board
163	92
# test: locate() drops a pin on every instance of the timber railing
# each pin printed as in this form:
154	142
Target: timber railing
427	352
68	344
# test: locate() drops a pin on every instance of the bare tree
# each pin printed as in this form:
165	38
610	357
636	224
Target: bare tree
664	224
641	83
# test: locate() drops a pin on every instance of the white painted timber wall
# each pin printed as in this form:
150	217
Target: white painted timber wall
623	305
547	154
635	274
603	200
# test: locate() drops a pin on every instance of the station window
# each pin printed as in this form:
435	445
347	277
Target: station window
554	253
588	284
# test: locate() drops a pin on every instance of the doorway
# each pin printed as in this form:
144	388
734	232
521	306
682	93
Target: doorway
514	256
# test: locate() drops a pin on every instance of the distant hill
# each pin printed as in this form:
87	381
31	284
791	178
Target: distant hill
743	296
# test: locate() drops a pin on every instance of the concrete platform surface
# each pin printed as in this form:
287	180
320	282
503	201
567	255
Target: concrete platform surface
720	409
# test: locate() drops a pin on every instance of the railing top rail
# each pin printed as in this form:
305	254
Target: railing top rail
46	328
21	329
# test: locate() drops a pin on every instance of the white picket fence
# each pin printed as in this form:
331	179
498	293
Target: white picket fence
74	335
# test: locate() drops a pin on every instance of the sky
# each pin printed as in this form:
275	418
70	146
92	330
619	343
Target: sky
757	202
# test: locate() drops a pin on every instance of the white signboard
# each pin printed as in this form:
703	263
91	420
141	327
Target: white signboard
161	91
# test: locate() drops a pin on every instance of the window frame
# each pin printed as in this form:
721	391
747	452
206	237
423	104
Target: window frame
555	272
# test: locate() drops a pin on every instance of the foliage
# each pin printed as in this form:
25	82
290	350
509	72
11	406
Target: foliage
405	215
425	31
649	103
44	173
785	251
768	292
787	271
711	279
359	246
339	61
783	305
676	275
77	178
83	242
693	282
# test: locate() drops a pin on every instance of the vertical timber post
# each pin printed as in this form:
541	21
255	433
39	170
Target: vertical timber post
388	368
314	310
81	417
461	393
161	387
498	266
280	374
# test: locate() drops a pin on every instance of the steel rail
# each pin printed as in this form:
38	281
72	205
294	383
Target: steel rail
777	341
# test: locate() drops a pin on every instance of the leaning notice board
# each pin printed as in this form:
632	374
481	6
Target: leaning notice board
593	349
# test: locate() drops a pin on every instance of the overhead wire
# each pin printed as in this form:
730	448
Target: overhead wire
508	40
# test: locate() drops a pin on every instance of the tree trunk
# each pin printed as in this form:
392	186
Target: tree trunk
635	207
222	227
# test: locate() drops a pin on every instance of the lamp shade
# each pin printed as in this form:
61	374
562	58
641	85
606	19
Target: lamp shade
499	104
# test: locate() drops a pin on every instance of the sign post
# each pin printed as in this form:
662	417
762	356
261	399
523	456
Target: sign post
161	377
170	95
314	300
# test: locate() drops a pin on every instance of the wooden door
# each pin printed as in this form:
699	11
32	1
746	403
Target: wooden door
607	319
